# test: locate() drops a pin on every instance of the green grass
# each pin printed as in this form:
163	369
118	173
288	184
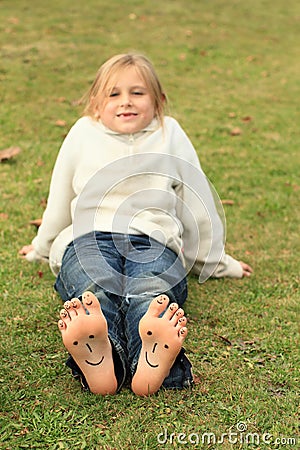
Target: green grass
220	62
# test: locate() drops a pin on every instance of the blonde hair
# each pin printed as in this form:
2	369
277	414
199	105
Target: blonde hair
102	85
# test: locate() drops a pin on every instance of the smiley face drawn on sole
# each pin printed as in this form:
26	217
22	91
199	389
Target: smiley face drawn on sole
90	363
95	364
149	363
154	366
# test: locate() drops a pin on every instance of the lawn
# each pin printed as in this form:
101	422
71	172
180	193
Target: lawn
231	72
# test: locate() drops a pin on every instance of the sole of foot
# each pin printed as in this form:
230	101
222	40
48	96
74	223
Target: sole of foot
162	330
85	336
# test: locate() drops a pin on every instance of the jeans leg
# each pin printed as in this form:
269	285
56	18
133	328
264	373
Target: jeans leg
151	270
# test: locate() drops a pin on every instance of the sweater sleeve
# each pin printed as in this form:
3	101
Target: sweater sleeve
201	214
57	215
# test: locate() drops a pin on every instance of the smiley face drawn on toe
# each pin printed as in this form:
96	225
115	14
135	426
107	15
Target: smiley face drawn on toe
64	313
88	299
173	306
90	363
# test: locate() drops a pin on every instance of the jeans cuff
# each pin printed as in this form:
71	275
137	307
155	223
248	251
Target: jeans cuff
180	376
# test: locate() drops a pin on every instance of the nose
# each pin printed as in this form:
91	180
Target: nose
89	347
125	100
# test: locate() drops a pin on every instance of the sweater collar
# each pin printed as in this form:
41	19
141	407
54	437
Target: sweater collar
153	125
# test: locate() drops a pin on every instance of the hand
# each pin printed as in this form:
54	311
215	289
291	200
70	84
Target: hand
247	270
25	250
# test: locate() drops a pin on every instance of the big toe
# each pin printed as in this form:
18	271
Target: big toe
91	302
158	305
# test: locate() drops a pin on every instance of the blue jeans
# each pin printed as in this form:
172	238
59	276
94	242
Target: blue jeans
125	272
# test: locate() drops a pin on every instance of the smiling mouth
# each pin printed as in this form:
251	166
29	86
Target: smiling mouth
148	362
95	364
129	114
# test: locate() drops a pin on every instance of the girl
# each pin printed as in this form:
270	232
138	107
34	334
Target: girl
129	213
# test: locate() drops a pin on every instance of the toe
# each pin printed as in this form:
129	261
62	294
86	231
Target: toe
182	333
67	305
91	302
75	303
176	316
76	307
171	311
61	325
64	315
158	305
72	306
182	322
179	313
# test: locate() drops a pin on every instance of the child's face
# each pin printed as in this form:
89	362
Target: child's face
130	107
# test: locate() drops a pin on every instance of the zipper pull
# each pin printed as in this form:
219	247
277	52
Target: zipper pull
131	142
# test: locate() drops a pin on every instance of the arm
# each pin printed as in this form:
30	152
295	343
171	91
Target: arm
57	214
203	219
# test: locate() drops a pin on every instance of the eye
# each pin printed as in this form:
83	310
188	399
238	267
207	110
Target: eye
113	94
149	333
138	93
75	343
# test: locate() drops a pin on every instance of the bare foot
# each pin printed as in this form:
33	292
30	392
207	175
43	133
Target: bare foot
86	339
162	339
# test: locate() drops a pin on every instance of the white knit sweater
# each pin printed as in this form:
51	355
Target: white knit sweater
147	183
